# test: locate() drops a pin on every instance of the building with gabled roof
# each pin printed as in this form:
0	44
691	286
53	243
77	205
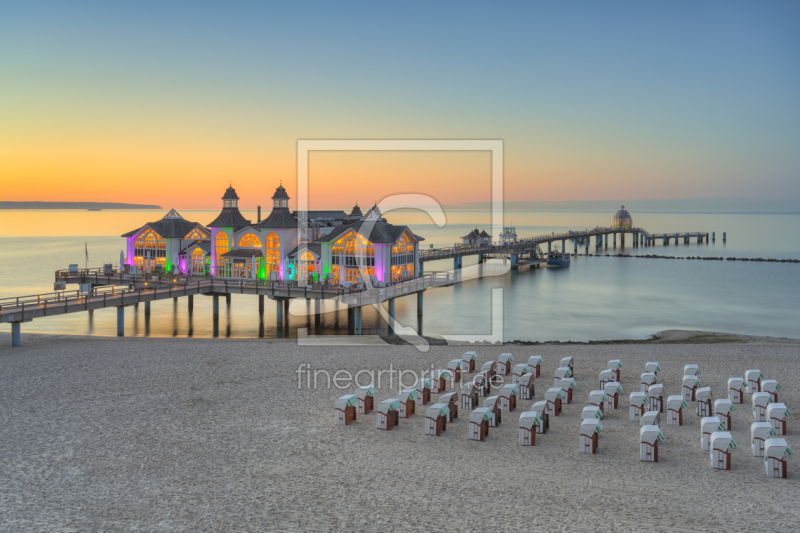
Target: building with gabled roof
157	246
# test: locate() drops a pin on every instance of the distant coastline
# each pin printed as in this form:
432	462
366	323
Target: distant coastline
74	205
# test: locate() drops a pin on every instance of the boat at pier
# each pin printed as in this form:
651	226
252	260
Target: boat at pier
557	259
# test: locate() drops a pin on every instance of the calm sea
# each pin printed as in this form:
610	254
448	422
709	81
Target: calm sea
595	298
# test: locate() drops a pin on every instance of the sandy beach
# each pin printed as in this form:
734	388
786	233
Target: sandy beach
106	434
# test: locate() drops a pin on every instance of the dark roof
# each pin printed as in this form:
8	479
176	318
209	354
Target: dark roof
313	247
230	194
280	193
279	218
169	228
356	211
336	215
243	253
229	217
472	234
382	232
204	245
484	234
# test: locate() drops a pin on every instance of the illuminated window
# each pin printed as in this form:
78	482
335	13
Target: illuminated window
197	233
198	261
250	241
222	246
273	253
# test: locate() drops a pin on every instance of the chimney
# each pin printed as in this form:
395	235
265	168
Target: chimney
259	214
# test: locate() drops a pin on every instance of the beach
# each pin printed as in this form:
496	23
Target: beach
159	434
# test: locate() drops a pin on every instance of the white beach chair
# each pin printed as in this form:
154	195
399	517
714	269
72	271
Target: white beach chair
589	435
567	384
771	386
479	423
553	398
598	398
709	425
591	411
469	362
387	414
469	396
526	389
638	404
775	452
541	408
569	362
722	444
536	362
760	402
689	386
366	400
735	386
675	406
656	396
518	371
649	436
612	390
407	403
492	403
345	410
436	419
489	369
504	361
508	397
423	388
753	378
614	365
759	433
560	373
691	370
607	376
722	410
653	367
648	379
439	378
650	418
454	367
528	420
481	383
777	413
451	400
703	398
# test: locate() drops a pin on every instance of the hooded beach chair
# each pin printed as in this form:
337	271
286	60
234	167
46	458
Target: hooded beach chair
759	433
423	387
526	391
709	425
638	405
771	386
489	369
675	406
650	418
703	398
591	411
439	380
689	387
735	390
598	398
553	398
469	362
653	367
722	410
469	396
492	403
481	383
528	420
691	370
776	415
589	434
607	376
760	402
775	452
568	362
612	390
567	384
366	400
518	371
345	410
614	365
436	419
648	379
451	400
722	444
504	361
753	378
541	408
479	423
648	443
454	367
560	373
387	414
656	396
535	362
407	403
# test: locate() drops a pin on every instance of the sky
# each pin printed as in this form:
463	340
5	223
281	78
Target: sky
168	104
